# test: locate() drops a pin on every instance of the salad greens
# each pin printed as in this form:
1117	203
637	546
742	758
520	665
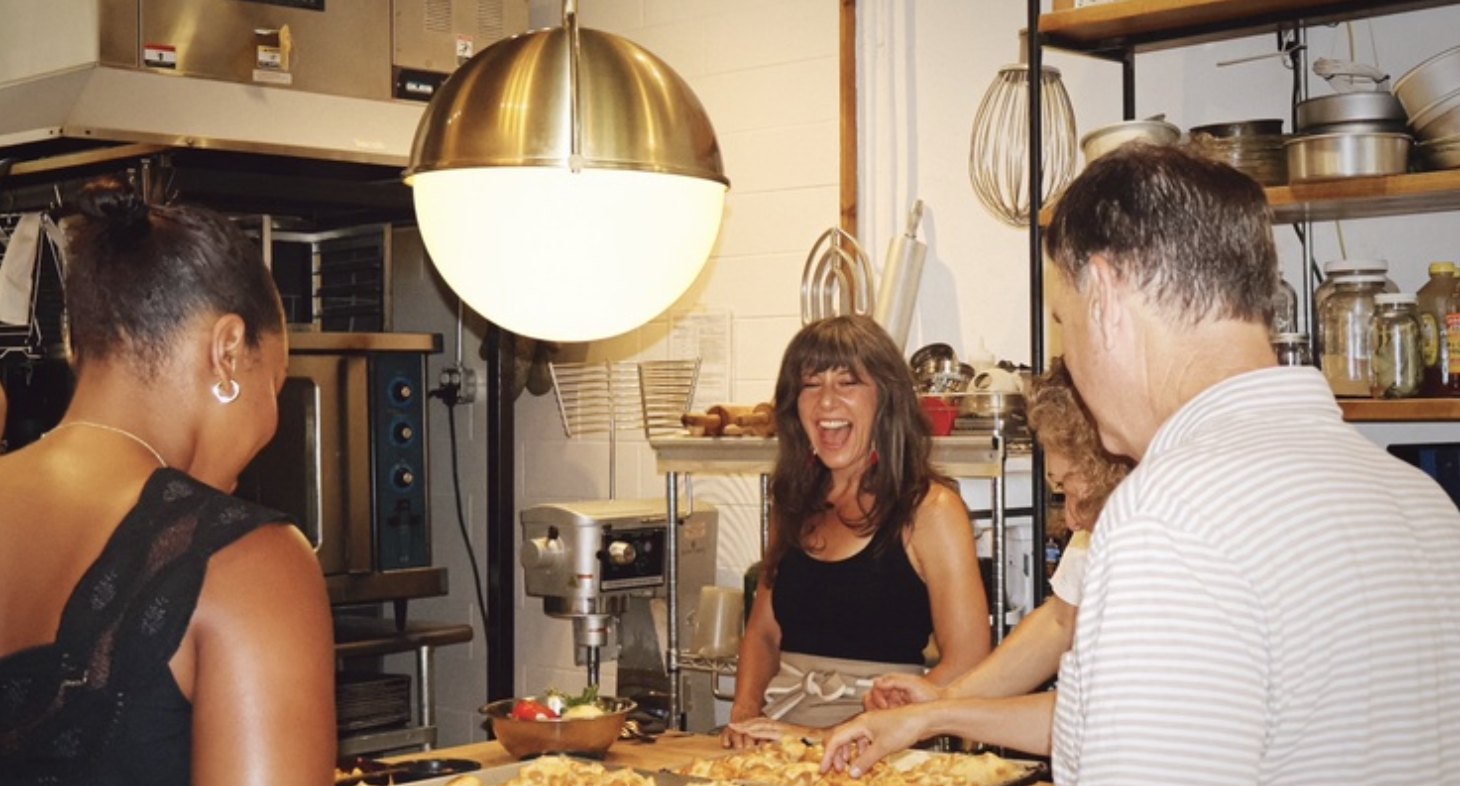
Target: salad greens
560	701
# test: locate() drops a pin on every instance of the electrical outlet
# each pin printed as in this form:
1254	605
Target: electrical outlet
464	380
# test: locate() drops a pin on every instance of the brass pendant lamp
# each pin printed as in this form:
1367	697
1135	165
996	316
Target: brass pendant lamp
567	183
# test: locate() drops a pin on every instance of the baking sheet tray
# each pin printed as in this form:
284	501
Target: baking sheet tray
1032	772
495	776
377	773
905	761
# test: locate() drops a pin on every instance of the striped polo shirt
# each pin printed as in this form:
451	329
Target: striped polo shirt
1271	599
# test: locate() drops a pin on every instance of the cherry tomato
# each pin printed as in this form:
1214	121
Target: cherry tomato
532	710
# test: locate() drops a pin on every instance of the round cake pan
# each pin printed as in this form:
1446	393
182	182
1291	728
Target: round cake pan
1243	128
1440	119
1442	153
1107	138
1330	156
1429	81
1360	127
1380	106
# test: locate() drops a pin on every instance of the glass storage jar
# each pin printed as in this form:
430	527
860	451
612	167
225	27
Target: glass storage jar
1397	366
1344	334
1342	268
1335	270
1284	309
1435	300
1292	349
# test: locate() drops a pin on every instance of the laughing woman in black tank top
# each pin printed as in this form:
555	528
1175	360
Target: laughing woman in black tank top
871	549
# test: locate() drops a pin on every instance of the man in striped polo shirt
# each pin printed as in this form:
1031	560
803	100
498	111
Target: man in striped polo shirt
1271	598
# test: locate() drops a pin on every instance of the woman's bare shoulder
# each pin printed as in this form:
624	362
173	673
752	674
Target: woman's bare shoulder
942	502
276	549
941	518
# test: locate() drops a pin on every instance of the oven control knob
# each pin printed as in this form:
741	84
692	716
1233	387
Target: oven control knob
540	552
622	553
403	477
401	390
402	433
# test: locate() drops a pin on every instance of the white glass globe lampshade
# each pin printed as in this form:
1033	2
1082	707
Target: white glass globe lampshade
567	183
567	256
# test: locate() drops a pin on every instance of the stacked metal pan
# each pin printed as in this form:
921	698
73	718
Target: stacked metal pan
1430	94
1254	147
1349	135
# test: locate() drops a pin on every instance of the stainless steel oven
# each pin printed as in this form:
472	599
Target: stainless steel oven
349	459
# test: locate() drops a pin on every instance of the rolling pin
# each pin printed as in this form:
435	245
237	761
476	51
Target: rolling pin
760	421
719	420
701	424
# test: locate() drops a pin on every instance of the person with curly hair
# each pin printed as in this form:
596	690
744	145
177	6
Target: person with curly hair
871	550
992	703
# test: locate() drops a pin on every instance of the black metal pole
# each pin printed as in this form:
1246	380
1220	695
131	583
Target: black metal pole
1036	284
1128	83
501	513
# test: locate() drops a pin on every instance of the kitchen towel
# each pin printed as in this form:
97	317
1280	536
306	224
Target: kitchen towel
17	271
818	691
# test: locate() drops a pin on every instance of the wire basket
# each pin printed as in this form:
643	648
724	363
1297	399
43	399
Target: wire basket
608	397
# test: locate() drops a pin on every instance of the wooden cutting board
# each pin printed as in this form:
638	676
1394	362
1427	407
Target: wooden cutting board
665	753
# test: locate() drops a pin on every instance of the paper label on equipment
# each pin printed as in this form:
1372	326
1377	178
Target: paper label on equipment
270	58
465	48
273	77
159	56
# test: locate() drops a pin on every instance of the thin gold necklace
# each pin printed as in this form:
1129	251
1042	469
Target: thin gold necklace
115	430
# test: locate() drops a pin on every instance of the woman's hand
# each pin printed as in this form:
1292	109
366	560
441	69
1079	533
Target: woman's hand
856	745
897	690
764	729
743	721
760	658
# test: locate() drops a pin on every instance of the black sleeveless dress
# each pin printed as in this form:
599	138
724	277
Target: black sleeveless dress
100	705
867	607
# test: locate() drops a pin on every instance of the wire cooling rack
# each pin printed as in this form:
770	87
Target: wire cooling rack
609	397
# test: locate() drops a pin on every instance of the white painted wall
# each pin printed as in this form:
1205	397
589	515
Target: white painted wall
69	28
930	64
766	70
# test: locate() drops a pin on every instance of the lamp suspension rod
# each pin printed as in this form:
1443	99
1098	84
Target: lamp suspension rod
570	21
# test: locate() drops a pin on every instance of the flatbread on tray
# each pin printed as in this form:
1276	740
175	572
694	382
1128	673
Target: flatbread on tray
795	762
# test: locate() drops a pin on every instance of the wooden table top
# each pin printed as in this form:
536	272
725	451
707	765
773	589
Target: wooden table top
669	751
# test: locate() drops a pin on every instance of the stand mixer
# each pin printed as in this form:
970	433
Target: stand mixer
586	559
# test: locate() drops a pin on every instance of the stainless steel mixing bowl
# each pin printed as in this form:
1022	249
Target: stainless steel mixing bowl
527	738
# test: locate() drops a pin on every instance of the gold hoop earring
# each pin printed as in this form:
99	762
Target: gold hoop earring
229	397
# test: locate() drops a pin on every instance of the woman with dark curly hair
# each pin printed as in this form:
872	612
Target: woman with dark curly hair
154	629
871	549
990	704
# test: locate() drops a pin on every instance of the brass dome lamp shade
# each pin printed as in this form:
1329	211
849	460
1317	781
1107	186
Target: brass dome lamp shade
567	183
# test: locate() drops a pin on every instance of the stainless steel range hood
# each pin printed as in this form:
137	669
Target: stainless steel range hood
298	78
